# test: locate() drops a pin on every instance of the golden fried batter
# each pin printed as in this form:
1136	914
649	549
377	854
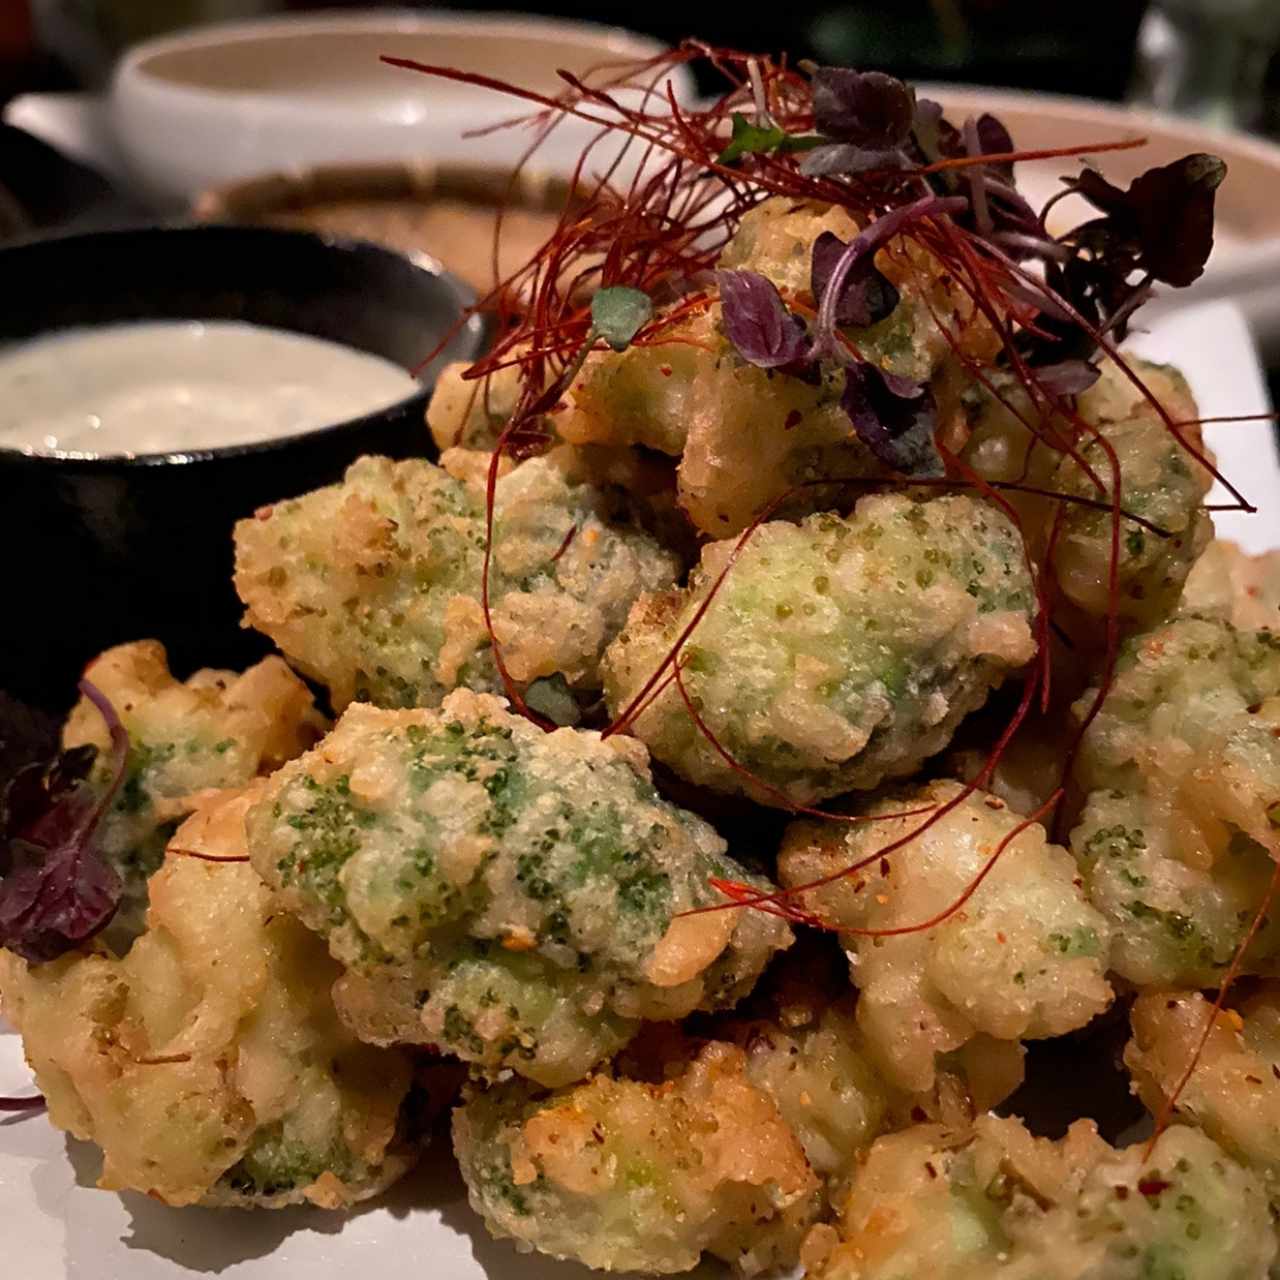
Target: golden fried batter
209	1063
836	652
373	586
218	729
1234	1092
996	1202
625	1175
513	896
1227	582
1024	958
745	436
1181	769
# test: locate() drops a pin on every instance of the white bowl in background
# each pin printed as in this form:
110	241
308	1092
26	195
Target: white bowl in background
218	104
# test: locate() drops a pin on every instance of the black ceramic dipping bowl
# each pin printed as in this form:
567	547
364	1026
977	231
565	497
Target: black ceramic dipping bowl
95	551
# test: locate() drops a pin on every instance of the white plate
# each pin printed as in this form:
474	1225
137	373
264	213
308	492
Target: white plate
56	1227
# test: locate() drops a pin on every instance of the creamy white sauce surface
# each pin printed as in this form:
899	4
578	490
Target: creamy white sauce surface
176	385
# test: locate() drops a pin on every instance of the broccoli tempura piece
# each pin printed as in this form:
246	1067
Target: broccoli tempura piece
1024	959
512	896
209	1063
806	1051
1182	773
996	1202
1234	1092
745	436
373	586
1160	482
218	729
625	1175
835	653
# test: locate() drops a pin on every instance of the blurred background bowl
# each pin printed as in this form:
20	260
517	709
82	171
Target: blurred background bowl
223	103
445	210
101	550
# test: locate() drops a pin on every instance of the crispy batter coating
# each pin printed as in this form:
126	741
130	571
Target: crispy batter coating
1023	959
1227	582
776	239
744	436
628	1170
835	653
1159	481
373	586
996	1202
1182	773
216	730
509	895
470	413
1234	1092
822	1080
209	1063
626	1175
806	1051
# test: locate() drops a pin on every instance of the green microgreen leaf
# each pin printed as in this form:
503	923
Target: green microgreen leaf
618	313
754	139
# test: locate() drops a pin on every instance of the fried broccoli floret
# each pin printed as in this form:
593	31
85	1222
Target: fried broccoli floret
1160	482
209	1063
1024	959
217	730
373	586
805	1049
1181	768
835	653
996	1202
746	436
626	1175
1234	1092
512	896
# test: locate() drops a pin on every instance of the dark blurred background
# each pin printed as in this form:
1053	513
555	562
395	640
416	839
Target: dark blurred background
1206	57
1068	46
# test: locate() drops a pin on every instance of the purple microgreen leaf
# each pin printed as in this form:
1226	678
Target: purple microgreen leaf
757	321
865	243
868	108
1162	225
935	136
1100	193
56	891
1067	377
845	158
895	418
618	313
995	140
1173	205
866	296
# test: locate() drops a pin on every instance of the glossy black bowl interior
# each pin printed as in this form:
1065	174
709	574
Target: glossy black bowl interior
100	550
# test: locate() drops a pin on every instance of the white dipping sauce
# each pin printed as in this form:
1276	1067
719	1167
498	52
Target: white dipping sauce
171	386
